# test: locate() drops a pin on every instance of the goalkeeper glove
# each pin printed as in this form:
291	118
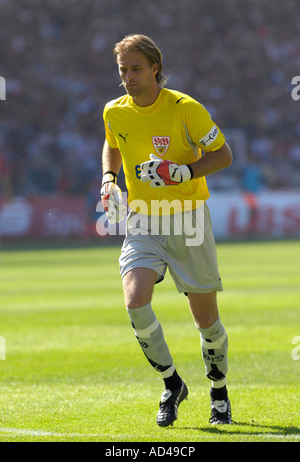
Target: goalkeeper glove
111	196
164	172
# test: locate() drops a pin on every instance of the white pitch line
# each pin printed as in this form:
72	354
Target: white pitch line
272	435
199	437
27	432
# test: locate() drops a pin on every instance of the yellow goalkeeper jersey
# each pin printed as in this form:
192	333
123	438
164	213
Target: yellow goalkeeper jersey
177	128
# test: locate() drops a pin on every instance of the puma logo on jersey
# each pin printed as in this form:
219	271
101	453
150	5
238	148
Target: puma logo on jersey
123	137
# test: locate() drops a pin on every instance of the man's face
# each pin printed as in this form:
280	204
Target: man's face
137	75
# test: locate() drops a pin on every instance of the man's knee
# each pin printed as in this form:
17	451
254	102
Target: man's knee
138	287
204	308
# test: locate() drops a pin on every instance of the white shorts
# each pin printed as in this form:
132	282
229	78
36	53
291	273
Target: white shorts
192	263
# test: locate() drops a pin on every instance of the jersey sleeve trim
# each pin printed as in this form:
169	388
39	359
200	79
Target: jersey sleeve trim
109	136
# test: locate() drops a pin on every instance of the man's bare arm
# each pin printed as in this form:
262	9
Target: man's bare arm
212	162
111	159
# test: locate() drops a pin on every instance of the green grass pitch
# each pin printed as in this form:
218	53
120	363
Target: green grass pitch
71	369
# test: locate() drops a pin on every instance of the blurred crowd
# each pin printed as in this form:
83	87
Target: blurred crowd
236	57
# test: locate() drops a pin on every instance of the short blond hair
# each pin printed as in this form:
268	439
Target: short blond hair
145	45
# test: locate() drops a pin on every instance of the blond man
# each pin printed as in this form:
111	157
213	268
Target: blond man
167	144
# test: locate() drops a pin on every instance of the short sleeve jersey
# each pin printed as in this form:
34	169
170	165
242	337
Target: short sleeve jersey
175	127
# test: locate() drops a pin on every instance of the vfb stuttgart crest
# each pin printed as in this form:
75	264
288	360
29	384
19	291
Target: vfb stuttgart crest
161	144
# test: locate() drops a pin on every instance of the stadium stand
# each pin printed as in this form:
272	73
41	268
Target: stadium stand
236	57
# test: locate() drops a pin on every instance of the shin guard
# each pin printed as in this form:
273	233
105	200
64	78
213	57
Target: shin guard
214	345
149	334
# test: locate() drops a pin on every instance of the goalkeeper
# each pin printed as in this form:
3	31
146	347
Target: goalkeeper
167	144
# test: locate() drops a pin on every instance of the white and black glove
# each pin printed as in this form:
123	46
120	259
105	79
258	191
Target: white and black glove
111	196
164	172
